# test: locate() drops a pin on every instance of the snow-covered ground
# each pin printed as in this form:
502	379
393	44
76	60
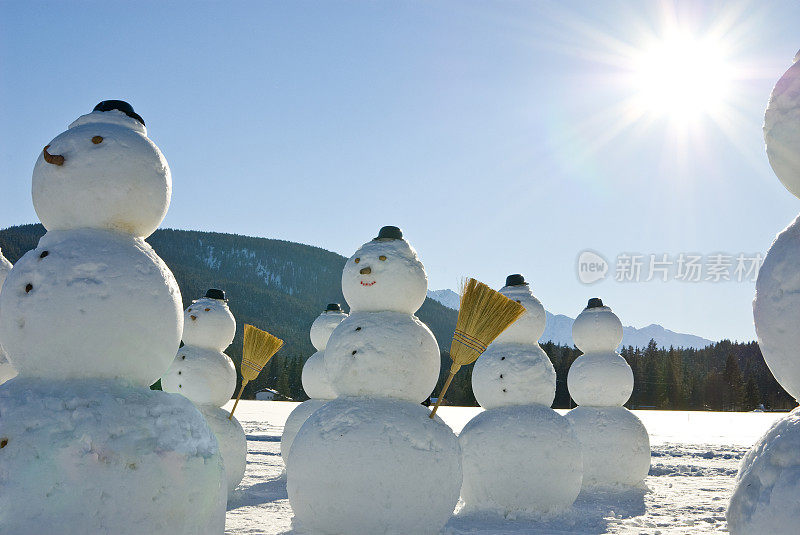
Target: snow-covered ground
695	456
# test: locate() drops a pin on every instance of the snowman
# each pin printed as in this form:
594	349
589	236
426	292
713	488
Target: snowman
90	319
7	371
766	498
314	377
519	456
616	446
207	376
372	461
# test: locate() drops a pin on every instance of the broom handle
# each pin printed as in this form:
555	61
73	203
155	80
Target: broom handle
441	394
237	398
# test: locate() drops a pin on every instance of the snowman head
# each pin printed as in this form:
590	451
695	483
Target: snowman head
104	173
597	328
530	327
324	325
385	274
208	322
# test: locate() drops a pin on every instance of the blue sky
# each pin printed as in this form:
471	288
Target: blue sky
501	136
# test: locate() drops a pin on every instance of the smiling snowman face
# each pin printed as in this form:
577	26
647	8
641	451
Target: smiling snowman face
208	323
104	173
385	274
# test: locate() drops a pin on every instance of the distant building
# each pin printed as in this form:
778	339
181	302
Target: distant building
266	394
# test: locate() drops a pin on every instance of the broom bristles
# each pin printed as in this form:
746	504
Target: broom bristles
259	347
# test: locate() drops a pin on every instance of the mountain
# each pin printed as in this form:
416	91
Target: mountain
559	329
276	285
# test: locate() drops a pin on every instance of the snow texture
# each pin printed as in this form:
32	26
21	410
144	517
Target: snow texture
782	129
205	376
602	379
528	328
122	183
520	460
315	379
513	374
322	328
615	445
295	421
398	282
100	456
777	305
373	466
597	329
111	288
208	323
7	371
231	440
383	354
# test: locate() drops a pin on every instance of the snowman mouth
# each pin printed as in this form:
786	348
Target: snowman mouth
368	283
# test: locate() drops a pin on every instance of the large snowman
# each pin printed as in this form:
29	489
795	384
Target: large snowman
315	378
519	456
7	371
207	376
372	461
766	498
616	446
89	319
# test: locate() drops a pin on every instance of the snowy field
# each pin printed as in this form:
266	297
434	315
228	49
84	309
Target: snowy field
695	456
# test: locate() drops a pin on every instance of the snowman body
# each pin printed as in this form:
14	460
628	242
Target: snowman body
519	456
89	319
7	371
372	461
314	377
766	498
207	376
615	443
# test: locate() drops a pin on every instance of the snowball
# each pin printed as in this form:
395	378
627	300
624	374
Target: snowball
205	376
776	307
232	443
369	466
766	498
528	328
521	459
315	379
91	303
323	326
615	444
782	129
597	329
295	421
386	354
397	283
99	456
602	379
513	374
5	267
122	183
208	323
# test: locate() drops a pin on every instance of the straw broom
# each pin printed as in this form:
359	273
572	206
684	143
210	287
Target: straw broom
259	346
482	316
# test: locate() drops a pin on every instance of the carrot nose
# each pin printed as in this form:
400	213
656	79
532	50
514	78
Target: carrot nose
366	271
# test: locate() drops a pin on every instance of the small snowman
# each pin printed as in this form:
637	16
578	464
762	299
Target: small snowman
519	456
314	377
7	371
207	376
90	319
372	461
766	498
616	446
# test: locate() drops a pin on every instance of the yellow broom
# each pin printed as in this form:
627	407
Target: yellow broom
482	316
259	346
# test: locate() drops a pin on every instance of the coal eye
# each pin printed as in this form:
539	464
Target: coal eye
208	309
97	140
357	260
381	257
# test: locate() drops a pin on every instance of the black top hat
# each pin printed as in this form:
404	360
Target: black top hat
595	302
390	233
333	307
213	293
119	105
515	280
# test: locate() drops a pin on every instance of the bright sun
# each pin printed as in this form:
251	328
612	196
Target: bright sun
681	77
